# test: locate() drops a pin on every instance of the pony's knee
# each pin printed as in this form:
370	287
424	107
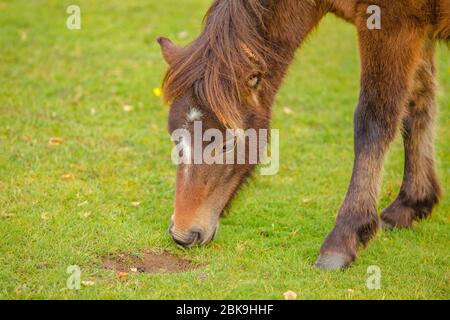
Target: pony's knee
374	124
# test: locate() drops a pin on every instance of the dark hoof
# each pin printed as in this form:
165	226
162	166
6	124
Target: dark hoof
397	216
333	261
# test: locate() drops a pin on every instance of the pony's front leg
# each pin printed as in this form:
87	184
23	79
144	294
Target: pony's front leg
389	58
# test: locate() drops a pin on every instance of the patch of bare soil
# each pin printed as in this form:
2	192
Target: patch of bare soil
150	262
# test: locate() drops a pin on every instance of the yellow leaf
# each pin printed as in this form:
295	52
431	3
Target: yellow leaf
86	214
183	34
28	139
55	141
44	216
67	176
290	295
288	111
350	293
7	215
23	36
307	200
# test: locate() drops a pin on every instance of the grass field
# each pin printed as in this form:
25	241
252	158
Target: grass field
108	186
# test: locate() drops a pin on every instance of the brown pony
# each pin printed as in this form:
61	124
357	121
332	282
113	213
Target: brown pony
228	78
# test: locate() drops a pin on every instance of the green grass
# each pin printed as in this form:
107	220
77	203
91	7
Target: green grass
51	81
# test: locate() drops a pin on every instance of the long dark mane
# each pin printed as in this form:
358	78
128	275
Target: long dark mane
231	47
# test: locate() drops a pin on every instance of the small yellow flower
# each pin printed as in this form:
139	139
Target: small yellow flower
157	92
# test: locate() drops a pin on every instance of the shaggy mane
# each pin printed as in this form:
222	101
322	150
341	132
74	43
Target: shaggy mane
232	47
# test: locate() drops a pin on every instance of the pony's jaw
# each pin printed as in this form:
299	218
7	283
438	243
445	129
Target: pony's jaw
199	203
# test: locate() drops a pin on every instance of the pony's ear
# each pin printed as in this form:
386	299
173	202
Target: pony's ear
169	50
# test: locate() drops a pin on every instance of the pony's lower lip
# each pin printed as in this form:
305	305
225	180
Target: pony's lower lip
197	237
192	242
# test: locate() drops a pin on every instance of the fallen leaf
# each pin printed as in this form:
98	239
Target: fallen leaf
55	141
77	96
28	139
86	214
7	215
128	108
307	200
67	176
183	34
290	295
133	269
157	92
44	216
82	203
240	247
288	110
135	204
23	36
87	283
122	275
216	246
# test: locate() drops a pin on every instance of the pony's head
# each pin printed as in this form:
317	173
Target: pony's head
221	81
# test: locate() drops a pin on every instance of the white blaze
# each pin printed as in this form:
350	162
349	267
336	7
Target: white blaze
194	115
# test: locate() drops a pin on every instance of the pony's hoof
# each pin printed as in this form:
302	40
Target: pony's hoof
332	261
398	216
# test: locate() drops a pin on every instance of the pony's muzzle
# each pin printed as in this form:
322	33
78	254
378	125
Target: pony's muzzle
192	237
186	239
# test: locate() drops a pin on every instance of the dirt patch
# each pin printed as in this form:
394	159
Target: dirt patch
149	262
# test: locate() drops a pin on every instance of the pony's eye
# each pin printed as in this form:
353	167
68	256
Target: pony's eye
254	80
229	146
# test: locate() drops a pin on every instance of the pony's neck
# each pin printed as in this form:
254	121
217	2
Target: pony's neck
289	23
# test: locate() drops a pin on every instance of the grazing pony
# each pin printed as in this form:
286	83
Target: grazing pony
228	78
